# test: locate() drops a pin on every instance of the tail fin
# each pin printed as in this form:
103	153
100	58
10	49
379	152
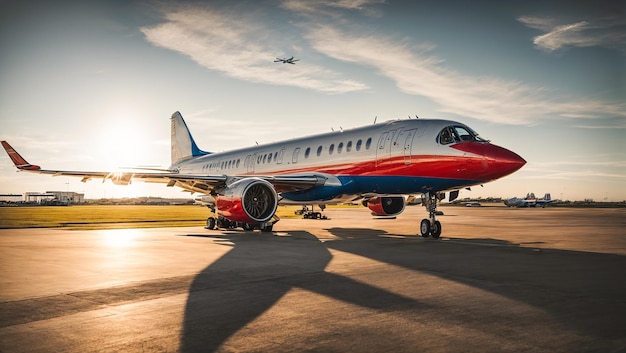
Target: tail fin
183	145
18	160
547	197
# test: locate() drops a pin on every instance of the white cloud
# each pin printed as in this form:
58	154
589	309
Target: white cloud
603	33
241	46
227	42
607	167
330	7
576	175
416	71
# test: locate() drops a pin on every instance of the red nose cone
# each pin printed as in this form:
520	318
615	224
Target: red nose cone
500	161
503	161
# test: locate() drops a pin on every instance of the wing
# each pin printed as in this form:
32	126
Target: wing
190	182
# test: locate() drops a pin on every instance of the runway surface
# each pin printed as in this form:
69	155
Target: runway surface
499	280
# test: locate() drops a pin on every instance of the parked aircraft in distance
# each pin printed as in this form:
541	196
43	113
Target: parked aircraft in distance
375	164
286	61
529	201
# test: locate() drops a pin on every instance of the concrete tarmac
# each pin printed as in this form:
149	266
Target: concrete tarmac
499	280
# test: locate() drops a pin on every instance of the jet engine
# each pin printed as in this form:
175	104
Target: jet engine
386	205
249	200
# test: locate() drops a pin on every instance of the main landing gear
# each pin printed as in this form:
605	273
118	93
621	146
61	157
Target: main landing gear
311	214
224	223
221	222
430	226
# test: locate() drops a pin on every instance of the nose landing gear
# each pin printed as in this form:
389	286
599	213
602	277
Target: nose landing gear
430	226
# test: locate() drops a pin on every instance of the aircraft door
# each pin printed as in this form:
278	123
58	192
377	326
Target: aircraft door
404	144
383	151
296	153
250	161
281	154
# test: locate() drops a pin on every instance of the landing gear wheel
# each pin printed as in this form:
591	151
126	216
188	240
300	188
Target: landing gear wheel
210	223
435	230
431	226
247	227
425	228
266	228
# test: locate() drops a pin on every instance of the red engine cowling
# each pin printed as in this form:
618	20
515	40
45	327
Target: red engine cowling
249	200
386	205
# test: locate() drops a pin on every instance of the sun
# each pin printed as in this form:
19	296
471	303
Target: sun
121	144
116	143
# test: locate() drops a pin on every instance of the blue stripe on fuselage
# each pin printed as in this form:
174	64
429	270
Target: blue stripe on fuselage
356	185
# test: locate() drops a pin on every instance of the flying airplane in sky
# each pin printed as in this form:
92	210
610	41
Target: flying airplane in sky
529	201
376	164
286	61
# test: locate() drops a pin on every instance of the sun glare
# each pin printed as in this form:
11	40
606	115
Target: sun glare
121	145
119	141
119	238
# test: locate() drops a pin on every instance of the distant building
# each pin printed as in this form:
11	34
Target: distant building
54	197
37	197
11	198
68	197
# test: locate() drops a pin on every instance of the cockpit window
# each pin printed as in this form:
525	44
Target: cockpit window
456	134
445	136
463	134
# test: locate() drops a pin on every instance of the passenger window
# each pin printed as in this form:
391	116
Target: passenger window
339	147
319	151
349	146
269	158
239	160
264	158
368	143
358	145
307	152
331	149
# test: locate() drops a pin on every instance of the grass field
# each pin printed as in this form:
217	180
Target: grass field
110	216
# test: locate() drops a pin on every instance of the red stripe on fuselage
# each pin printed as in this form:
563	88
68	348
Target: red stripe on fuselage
432	166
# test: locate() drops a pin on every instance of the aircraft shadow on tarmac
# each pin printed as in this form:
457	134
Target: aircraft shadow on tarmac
581	291
593	281
247	281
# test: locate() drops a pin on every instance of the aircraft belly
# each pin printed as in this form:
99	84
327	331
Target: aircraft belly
357	185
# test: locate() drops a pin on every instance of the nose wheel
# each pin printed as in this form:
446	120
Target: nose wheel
428	229
430	226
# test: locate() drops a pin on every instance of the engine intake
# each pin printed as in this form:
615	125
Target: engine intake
249	200
386	205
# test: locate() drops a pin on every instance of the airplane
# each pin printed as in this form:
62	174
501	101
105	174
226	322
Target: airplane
376	164
529	201
286	61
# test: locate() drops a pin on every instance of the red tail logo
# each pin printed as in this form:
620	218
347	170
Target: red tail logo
18	160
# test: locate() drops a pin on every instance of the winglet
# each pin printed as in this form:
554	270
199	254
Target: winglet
18	160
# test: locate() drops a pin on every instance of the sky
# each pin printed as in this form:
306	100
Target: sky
90	85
